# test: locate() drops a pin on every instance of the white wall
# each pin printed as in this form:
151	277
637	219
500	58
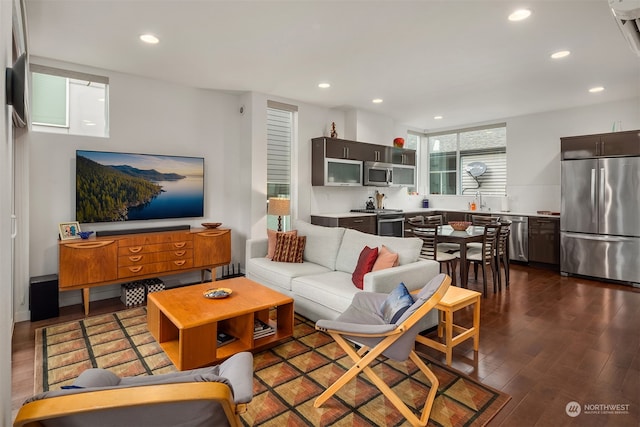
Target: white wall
146	116
6	312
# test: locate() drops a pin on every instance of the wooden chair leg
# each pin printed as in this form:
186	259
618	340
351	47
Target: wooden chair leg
454	266
361	364
505	262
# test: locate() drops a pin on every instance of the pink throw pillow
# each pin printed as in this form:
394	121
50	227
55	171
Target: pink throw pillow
386	259
271	235
367	258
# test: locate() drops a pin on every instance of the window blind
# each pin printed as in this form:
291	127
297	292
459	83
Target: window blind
279	131
493	181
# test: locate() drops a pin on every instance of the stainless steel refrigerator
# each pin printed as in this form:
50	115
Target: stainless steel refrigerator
600	218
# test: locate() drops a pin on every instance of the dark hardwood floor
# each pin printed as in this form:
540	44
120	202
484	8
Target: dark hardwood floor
546	341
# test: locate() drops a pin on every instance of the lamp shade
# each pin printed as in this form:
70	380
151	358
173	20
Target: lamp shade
278	206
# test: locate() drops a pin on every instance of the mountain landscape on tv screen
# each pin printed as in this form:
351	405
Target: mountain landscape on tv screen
106	193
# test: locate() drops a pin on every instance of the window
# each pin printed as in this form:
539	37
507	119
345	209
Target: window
69	102
451	153
280	136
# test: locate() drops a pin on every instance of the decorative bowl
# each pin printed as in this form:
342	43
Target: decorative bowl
217	293
398	142
85	234
211	224
459	225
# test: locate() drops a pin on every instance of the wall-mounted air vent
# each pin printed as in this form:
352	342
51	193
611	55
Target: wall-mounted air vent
627	16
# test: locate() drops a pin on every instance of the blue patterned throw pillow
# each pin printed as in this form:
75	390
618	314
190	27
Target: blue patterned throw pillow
398	301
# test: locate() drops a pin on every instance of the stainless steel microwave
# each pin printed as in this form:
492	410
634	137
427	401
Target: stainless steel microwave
378	174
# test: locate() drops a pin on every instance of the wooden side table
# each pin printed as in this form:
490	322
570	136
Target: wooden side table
454	300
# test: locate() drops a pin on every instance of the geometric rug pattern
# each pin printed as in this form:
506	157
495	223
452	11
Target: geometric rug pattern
287	377
117	341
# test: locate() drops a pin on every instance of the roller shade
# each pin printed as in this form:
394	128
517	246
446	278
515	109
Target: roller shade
493	181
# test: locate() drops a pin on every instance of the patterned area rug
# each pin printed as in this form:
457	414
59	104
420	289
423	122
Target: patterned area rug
287	378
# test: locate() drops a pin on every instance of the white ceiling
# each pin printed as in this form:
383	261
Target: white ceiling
460	59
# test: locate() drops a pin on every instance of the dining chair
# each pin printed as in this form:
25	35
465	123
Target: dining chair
434	220
442	247
485	256
481	220
484	219
415	221
502	252
430	249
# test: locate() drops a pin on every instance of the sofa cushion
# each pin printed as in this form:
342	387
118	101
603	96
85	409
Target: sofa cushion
408	249
278	275
333	289
289	248
272	236
386	259
322	243
366	260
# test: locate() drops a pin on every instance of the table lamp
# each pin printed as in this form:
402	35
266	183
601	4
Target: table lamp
278	206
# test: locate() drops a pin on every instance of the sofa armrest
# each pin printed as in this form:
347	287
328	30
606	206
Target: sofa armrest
414	276
257	248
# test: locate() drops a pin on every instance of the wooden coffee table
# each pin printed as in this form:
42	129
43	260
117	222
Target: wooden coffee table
186	324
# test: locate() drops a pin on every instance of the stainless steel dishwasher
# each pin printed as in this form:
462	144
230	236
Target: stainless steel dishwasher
519	237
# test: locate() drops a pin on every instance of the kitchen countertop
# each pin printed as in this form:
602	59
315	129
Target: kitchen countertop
344	214
508	213
419	211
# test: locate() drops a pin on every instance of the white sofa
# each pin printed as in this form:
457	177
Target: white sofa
321	285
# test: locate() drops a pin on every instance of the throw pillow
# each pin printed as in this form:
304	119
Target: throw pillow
271	235
289	248
368	257
398	301
386	259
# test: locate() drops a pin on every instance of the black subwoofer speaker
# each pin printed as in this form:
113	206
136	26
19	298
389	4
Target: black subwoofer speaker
43	297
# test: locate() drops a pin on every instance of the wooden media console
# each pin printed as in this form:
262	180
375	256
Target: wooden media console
107	260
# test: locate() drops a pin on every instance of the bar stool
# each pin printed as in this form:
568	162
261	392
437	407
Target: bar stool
454	300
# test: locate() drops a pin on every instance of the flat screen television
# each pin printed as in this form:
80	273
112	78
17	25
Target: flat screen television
126	186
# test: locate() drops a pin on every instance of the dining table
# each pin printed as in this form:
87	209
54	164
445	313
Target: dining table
473	233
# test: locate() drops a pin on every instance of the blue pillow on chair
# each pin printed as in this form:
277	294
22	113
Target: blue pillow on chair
398	301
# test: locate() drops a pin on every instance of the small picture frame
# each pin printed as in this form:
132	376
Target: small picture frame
69	230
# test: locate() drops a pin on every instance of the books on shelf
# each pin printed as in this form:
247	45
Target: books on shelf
262	329
224	338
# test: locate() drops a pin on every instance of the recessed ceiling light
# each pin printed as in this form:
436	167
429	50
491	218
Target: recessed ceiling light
149	38
596	89
560	54
377	101
324	85
519	15
437	117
